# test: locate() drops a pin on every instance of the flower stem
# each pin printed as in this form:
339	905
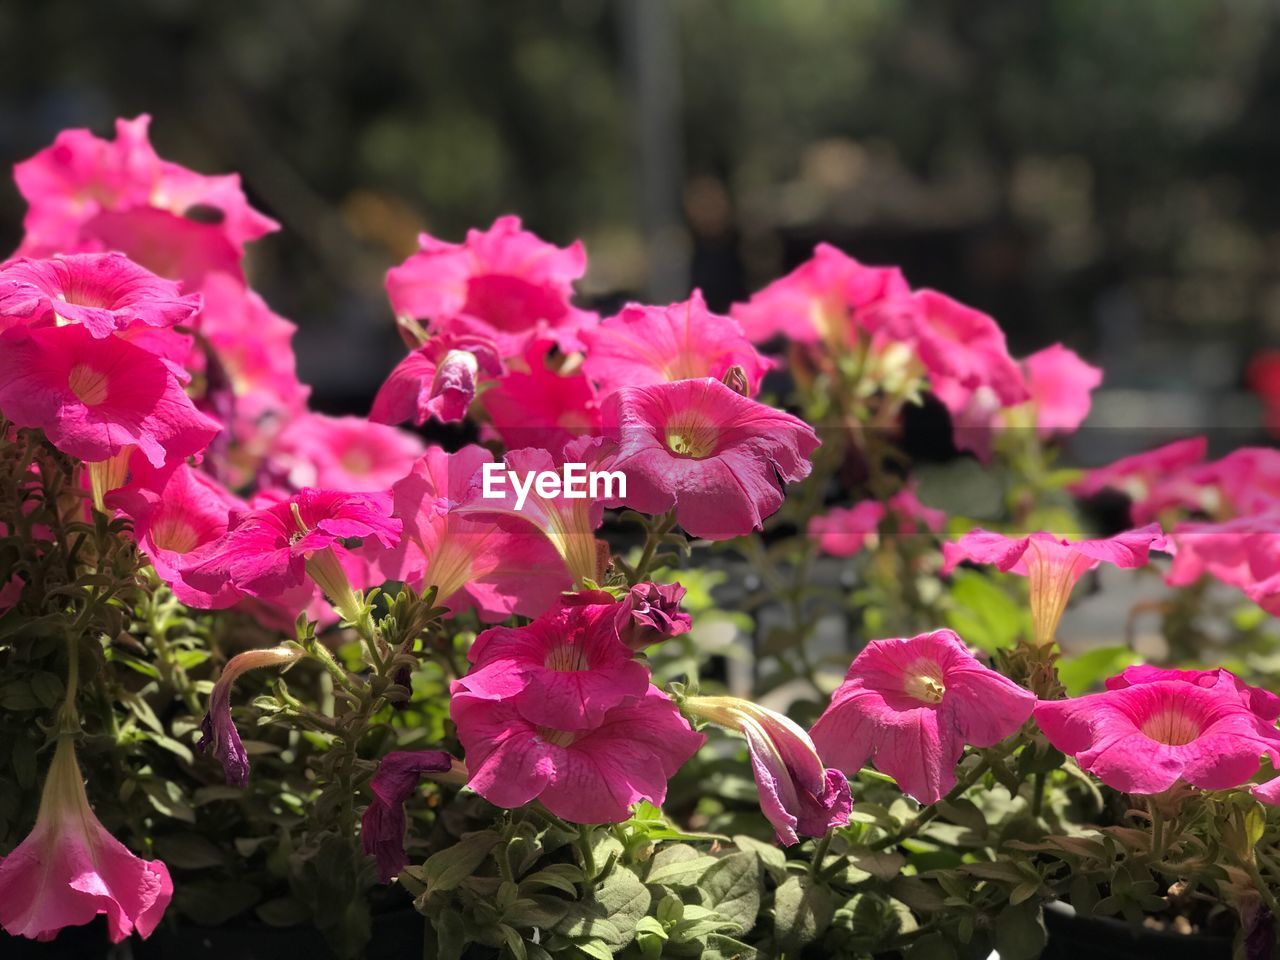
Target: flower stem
820	854
653	539
927	814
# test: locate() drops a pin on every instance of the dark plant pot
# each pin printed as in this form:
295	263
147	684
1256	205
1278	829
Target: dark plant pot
396	936
1073	937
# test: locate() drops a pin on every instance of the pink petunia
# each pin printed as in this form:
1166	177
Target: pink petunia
102	292
341	453
504	282
383	823
583	776
844	531
540	407
1262	703
1061	387
824	300
685	341
1243	553
69	869
1053	564
650	613
1153	480
473	561
94	398
439	379
718	458
1245	481
567	668
1146	737
218	733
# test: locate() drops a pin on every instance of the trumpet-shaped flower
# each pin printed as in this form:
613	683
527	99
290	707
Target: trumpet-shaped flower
1243	553
844	531
1263	703
473	561
341	453
718	458
439	379
219	735
93	398
685	341
1061	387
798	795
583	776
650	613
542	407
1052	563
69	869
910	706
1146	737
103	292
1153	480
568	668
383	823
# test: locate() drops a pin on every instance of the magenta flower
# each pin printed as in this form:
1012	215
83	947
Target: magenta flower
1052	563
473	561
94	398
583	776
824	300
798	795
540	407
69	869
103	292
504	282
1243	553
844	531
910	706
566	669
439	379
718	458
219	735
1146	737
383	823
1262	703
685	341
1245	481
650	613
1061	387
1153	480
341	453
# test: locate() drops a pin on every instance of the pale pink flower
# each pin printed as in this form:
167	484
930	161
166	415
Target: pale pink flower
1053	564
382	825
341	453
1146	737
718	458
910	706
540	407
1061	387
69	869
1153	480
844	531
685	341
476	561
583	776
218	733
439	379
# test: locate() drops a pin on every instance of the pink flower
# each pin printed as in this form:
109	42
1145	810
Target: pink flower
1061	385
910	706
798	795
583	776
1243	553
1245	481
1052	563
650	613
219	735
685	341
566	669
821	301
342	453
499	568
69	869
103	292
504	282
383	823
1152	480
718	458
439	379
540	407
187	510
1262	703
844	531
93	398
269	551
1145	737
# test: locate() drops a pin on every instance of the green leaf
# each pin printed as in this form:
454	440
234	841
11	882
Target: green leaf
448	868
720	947
984	613
283	912
48	689
801	913
23	757
166	796
932	946
732	889
558	876
679	865
624	899
771	856
1020	933
1086	671
189	851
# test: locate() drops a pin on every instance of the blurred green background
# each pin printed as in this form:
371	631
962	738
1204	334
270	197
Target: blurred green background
1095	172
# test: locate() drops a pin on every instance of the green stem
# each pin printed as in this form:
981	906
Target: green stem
653	539
1157	829
820	854
927	814
588	857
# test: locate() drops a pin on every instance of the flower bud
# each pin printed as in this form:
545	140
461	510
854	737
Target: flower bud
650	613
219	734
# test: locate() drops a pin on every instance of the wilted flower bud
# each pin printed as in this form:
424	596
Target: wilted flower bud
735	378
218	730
651	613
397	776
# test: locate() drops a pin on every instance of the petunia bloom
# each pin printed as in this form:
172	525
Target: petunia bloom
439	379
69	869
1146	737
341	453
583	776
103	292
383	823
568	668
1243	553
844	531
650	613
1153	480
685	341
910	706
219	735
1262	703
541	407
718	458
798	795
1053	564
1061	387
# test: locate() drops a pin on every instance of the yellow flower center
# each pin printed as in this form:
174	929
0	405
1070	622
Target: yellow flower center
567	658
561	738
924	682
1171	727
89	385
694	440
174	533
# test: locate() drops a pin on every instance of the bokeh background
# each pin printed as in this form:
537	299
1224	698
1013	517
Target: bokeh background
1088	171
